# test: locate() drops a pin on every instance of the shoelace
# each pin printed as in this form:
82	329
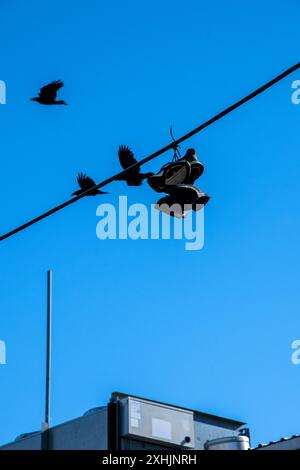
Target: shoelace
176	147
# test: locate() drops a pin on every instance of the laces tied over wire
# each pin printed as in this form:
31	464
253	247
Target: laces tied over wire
175	147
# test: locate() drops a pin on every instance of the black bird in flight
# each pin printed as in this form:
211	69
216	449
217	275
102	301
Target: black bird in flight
86	183
133	177
47	94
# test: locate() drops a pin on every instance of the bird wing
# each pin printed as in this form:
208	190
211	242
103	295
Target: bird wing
49	91
85	182
127	158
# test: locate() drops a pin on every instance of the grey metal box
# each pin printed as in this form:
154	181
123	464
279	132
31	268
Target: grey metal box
156	422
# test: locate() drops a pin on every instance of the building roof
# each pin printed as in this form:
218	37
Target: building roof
285	443
200	413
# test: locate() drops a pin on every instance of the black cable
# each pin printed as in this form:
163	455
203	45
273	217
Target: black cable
159	152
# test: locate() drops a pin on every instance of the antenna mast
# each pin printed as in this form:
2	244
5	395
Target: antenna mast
46	423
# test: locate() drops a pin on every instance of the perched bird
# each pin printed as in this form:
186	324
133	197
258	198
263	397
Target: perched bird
47	94
133	177
86	183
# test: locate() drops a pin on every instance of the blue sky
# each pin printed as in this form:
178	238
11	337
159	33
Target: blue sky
209	329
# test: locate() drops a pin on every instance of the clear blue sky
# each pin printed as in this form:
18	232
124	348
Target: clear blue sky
208	329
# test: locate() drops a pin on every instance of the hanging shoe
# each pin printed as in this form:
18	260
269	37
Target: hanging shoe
197	168
181	199
173	173
168	205
200	202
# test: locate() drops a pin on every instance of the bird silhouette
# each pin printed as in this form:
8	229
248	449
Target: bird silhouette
133	177
47	94
86	183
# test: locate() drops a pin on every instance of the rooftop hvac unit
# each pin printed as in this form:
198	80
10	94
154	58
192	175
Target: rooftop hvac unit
228	443
156	422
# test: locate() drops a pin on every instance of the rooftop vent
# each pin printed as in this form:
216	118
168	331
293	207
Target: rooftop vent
228	443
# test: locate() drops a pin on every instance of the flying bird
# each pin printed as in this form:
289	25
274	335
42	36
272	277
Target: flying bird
86	183
47	94
132	177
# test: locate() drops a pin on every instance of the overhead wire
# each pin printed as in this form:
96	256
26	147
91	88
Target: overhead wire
172	145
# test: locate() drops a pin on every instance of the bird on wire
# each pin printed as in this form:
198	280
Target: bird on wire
133	177
47	94
85	183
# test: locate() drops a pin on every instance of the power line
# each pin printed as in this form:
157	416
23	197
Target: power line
159	152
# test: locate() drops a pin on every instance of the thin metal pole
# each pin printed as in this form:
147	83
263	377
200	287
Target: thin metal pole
48	353
113	441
